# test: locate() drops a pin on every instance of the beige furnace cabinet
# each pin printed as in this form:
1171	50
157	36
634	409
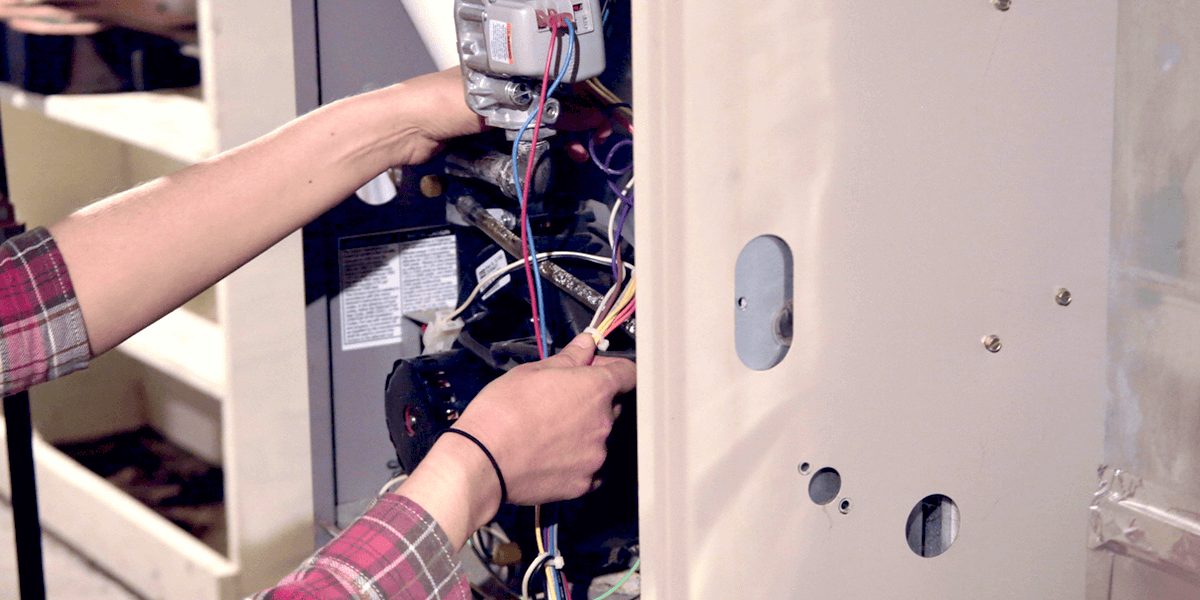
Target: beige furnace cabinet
919	305
940	174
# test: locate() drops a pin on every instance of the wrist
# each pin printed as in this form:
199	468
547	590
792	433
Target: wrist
457	485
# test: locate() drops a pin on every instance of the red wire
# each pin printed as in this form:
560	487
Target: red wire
555	25
622	316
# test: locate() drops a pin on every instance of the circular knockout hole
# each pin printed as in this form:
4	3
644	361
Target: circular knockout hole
932	526
825	485
804	468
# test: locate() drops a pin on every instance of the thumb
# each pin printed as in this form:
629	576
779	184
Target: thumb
578	353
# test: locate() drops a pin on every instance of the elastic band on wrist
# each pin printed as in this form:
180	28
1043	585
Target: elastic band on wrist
488	454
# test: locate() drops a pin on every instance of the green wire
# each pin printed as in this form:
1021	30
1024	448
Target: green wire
622	582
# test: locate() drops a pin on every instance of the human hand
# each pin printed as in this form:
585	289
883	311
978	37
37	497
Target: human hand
546	423
172	18
45	18
423	113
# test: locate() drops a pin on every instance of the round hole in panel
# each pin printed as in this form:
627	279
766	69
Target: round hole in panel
804	468
825	485
932	526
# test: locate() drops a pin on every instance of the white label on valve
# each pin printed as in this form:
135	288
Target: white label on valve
500	42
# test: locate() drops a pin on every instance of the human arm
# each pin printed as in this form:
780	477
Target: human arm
140	254
546	424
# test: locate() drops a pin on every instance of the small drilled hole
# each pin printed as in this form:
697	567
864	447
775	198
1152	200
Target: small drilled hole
844	506
825	485
743	303
804	468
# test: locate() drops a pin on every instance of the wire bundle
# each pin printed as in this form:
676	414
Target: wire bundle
619	303
528	248
555	586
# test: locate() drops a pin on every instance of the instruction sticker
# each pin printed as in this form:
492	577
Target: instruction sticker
500	42
489	266
387	276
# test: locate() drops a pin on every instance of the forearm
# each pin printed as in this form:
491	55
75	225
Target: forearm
138	255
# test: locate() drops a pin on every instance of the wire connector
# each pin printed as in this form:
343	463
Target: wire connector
600	341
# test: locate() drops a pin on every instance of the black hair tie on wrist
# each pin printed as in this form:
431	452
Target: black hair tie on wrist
488	454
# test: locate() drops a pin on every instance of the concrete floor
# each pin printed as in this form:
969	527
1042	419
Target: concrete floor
69	576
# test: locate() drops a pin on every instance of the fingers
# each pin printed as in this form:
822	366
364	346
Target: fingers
620	373
38	27
579	353
40	19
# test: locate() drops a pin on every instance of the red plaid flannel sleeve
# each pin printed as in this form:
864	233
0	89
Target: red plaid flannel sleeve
42	335
394	551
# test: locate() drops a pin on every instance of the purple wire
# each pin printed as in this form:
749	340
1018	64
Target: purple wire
606	164
617	229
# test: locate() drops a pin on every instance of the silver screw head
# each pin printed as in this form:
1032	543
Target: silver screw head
1063	297
992	343
1002	5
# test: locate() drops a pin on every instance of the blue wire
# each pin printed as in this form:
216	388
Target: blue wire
537	276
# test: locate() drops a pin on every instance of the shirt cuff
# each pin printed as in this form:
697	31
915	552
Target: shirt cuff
395	550
42	333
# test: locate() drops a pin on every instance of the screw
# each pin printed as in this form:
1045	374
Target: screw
804	468
992	343
1002	5
551	112
1063	297
432	186
519	94
844	506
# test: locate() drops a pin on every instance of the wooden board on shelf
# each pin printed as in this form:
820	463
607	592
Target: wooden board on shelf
151	555
177	124
185	346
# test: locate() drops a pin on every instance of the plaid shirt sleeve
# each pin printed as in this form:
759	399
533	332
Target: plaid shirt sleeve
394	551
42	335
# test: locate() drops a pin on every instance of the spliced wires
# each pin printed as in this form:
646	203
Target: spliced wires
605	323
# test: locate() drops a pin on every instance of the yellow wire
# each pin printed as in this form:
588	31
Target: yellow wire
537	534
608	96
623	301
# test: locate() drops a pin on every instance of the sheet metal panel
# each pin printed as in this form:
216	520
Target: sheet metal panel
940	170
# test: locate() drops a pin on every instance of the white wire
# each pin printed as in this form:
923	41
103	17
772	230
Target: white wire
612	225
497	531
533	567
599	316
486	282
387	487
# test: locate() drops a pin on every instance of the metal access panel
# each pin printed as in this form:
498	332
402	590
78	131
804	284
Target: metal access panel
940	174
346	47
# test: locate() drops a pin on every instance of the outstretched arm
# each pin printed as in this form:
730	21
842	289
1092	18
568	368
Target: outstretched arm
140	254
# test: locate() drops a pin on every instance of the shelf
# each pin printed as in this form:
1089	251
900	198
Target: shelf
186	346
172	123
153	556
